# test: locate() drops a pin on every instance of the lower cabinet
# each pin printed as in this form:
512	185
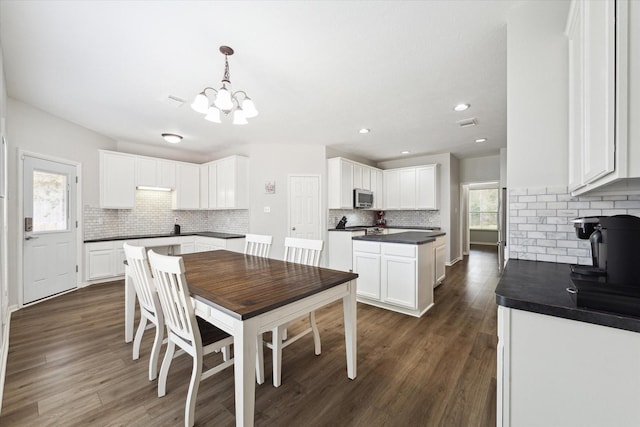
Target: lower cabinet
440	259
395	276
562	372
341	249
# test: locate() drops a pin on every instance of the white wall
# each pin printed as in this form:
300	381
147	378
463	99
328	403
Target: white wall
163	150
537	94
480	169
39	132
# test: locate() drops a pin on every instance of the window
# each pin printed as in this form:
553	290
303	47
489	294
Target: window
50	201
483	209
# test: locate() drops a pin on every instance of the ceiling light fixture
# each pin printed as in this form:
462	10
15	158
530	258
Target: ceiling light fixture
225	100
481	140
364	130
461	107
405	152
172	138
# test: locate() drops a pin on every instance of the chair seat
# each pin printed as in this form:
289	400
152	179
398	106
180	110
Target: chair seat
210	333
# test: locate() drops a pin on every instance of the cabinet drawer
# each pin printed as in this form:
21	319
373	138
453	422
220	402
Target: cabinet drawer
399	249
99	246
369	247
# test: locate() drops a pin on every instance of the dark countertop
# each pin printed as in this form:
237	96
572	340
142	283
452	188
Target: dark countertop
151	236
364	227
408	237
541	287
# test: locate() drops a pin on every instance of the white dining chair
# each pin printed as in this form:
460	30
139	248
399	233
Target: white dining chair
150	309
257	244
193	335
300	251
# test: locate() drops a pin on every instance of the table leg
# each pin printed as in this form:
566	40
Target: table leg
350	329
129	305
244	371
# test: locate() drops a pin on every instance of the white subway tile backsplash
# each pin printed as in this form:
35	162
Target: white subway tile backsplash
540	227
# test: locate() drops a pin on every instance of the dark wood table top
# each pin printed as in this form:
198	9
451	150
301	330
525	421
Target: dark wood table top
245	286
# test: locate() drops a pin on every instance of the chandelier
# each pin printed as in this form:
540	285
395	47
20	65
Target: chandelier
224	99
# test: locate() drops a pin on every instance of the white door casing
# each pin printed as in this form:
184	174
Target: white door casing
50	246
304	207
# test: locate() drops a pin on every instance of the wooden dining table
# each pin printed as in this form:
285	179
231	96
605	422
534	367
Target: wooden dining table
246	295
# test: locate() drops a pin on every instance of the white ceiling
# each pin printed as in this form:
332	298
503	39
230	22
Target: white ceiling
318	71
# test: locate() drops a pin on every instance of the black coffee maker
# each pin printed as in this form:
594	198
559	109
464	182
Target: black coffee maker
588	227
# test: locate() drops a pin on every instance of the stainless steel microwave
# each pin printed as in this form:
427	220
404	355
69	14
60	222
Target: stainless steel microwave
362	198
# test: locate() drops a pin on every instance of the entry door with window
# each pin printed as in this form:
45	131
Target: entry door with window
304	207
49	224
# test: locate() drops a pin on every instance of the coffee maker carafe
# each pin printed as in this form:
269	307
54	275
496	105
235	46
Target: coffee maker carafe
588	227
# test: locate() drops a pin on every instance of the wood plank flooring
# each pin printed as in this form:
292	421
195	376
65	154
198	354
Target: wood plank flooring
68	365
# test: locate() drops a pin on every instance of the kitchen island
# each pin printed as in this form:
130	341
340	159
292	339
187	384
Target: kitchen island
560	364
396	271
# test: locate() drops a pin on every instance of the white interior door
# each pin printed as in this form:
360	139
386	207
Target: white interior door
304	207
50	228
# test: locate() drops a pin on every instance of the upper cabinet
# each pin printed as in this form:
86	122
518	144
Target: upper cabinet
411	188
117	180
152	172
228	182
602	73
187	193
344	175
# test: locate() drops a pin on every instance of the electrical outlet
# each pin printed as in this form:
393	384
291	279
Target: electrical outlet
267	209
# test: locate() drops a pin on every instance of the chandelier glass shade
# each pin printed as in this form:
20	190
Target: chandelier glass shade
224	99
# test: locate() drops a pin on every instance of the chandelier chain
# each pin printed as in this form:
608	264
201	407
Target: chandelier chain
226	76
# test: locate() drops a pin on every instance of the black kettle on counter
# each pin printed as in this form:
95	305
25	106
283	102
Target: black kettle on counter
342	223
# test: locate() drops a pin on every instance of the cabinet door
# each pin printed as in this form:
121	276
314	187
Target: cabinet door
117	181
357	176
366	178
166	174
346	185
576	102
204	187
225	184
599	89
187	194
426	192
118	258
407	188
398	281
368	268
100	262
213	186
391	181
145	172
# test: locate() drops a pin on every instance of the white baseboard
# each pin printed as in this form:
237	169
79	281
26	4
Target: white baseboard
4	353
453	261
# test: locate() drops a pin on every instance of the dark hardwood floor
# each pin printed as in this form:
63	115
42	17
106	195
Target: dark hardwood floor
68	365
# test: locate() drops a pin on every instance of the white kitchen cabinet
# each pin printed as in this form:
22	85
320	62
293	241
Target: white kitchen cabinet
232	183
152	172
344	175
99	260
555	371
228	183
340	249
366	178
204	187
411	188
187	193
357	176
395	276
117	180
377	188
604	71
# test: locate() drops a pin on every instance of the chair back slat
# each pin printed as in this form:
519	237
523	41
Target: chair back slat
173	292
302	251
257	244
142	279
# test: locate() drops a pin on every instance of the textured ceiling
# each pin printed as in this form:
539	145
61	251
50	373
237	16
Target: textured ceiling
318	71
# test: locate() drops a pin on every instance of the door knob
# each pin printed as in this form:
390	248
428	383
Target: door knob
30	238
293	228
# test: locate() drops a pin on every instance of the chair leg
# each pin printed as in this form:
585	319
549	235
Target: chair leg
155	352
138	339
259	360
164	369
276	343
192	394
316	332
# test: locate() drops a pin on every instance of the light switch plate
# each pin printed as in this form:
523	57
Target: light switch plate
267	209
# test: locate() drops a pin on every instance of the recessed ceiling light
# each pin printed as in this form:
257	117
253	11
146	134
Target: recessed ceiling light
405	152
461	107
172	138
364	130
481	140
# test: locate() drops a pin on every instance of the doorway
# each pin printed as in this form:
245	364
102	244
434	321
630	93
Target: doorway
304	207
480	218
49	227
